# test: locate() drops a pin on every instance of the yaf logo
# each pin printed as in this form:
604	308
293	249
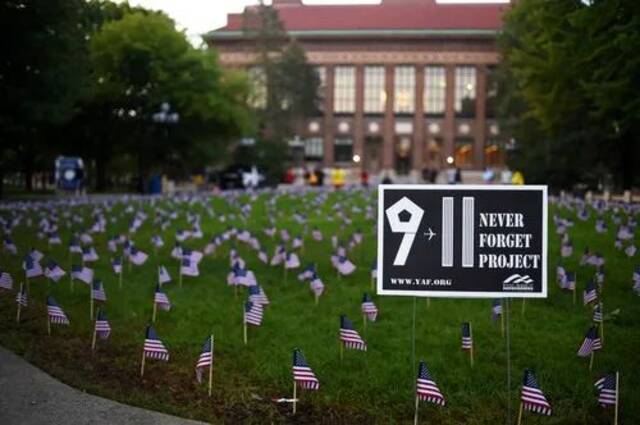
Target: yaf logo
409	227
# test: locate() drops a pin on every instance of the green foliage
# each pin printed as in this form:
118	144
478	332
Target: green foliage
568	79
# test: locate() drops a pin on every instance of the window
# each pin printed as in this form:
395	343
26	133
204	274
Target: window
463	151
375	96
494	153
404	88
435	86
343	150
465	95
321	72
313	148
258	96
344	90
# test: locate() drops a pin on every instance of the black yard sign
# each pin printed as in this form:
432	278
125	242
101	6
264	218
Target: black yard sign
462	241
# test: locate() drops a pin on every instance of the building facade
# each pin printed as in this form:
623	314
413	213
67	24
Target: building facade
405	84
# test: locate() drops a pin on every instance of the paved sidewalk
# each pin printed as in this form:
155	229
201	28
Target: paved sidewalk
28	396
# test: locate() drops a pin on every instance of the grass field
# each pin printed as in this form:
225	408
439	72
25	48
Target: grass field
372	387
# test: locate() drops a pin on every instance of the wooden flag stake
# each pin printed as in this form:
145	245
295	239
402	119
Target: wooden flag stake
180	278
142	366
48	324
155	309
245	331
520	414
341	349
615	415
317	297
471	349
415	414
575	287
19	304
295	393
91	302
93	339
502	320
71	280
601	323
364	322
120	278
211	365
372	283
591	360
523	305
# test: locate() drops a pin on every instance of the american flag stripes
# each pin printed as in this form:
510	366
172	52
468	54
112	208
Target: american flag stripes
590	293
6	281
349	336
161	299
97	291
116	264
137	257
53	271
102	327
302	373
31	267
467	340
206	358
153	346
591	342
82	273
607	391
55	313
597	314
189	267
532	397
253	313
426	387
163	275
257	295
369	309
22	298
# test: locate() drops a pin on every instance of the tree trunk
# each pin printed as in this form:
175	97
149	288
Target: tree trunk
628	161
101	173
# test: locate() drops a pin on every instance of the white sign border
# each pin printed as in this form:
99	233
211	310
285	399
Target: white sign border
462	294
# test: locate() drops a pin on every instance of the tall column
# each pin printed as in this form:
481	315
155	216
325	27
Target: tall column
388	125
481	122
449	113
358	131
328	117
418	122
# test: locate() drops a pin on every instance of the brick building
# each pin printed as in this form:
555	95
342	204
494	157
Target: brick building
406	84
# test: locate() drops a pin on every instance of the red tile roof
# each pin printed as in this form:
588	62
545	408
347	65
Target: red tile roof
398	15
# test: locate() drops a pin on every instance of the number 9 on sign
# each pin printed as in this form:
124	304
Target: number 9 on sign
409	227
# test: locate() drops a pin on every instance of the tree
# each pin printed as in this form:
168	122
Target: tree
140	62
42	75
286	85
568	77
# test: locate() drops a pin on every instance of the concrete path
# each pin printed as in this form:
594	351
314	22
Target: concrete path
28	396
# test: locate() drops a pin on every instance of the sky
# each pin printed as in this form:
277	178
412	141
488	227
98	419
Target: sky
200	16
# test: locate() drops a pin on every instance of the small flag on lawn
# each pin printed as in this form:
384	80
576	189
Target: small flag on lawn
161	299
6	281
369	309
349	336
467	340
53	271
302	373
97	291
21	297
102	327
31	267
532	397
153	346
189	267
426	387
591	343
82	273
257	295
206	358
607	391
137	257
116	264
590	294
496	309
163	275
253	313
56	314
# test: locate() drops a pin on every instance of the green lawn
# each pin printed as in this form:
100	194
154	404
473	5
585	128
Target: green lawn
372	387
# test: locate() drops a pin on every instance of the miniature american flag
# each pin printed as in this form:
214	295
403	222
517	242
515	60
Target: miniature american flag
89	254
153	347
161	299
253	313
302	373
316	285
369	309
467	340
53	271
102	327
189	267
569	281
597	314
163	275
56	315
206	358
344	266
349	336
257	295
292	261
9	246
31	267
116	264
532	397
426	388
97	291
21	297
137	257
496	309
591	343
590	293
6	281
607	391
82	273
